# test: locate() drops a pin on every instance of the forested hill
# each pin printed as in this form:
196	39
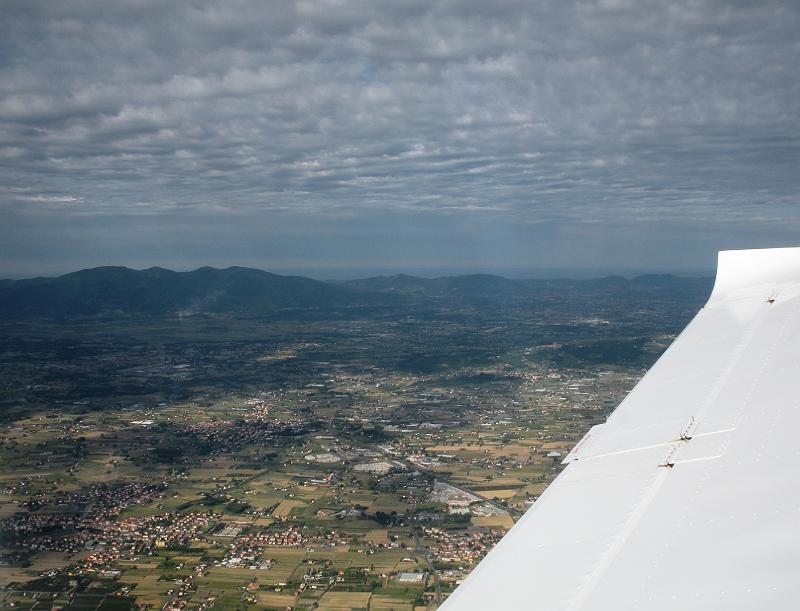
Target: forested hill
238	291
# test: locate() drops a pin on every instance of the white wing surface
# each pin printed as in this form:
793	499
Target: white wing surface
688	497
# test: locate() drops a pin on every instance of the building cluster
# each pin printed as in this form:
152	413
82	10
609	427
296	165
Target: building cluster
248	550
227	436
462	546
111	540
181	594
80	510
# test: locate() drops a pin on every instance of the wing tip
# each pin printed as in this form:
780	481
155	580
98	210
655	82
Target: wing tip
740	270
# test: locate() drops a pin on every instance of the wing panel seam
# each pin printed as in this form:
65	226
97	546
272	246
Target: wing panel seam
605	561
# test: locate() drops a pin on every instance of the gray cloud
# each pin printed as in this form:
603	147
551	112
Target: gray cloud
517	122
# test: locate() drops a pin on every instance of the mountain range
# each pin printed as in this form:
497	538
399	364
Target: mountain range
123	292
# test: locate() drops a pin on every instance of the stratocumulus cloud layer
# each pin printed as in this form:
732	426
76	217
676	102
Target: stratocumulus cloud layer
333	134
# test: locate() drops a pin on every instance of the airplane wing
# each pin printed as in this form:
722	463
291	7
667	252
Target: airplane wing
688	497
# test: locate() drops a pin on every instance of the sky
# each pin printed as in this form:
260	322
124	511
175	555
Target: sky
338	139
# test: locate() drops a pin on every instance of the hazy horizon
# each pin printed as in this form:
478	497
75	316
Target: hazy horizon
357	274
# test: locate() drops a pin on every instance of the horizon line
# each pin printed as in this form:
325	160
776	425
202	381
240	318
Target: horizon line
343	275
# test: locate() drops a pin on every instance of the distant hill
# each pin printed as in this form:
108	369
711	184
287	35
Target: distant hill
479	286
468	286
120	291
239	291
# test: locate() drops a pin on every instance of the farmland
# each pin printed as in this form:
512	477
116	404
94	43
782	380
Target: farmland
229	463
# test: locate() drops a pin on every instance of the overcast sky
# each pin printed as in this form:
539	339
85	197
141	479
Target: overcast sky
337	138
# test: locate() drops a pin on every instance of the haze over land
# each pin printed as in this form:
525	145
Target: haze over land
120	292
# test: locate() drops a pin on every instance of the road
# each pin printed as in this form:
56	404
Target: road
423	553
